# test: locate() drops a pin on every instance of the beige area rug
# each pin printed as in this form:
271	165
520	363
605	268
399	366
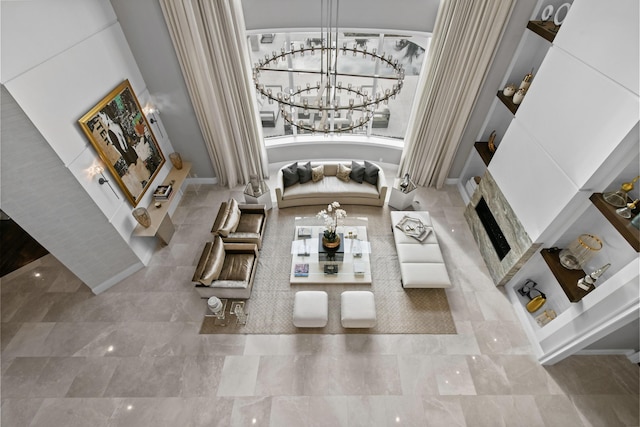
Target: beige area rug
399	310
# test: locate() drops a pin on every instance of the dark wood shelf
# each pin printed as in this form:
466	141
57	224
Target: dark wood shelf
508	102
547	30
568	279
623	225
483	149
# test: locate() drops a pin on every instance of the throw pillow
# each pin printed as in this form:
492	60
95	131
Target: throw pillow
317	173
290	174
357	172
371	173
214	263
233	219
343	172
304	172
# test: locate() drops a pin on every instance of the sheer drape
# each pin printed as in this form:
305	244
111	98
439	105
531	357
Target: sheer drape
465	37
209	39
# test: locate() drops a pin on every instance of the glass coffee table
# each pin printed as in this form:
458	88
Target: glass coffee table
312	264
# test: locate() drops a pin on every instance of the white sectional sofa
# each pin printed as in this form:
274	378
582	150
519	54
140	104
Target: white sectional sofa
421	263
330	188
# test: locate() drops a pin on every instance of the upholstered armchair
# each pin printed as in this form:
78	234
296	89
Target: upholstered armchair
240	223
226	270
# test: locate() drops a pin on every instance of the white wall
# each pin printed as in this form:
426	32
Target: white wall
58	60
410	15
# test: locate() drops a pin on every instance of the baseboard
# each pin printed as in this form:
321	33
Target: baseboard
607	352
451	181
117	278
190	181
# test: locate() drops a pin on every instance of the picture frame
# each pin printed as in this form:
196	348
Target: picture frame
120	133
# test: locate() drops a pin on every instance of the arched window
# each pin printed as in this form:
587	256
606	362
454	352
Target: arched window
300	74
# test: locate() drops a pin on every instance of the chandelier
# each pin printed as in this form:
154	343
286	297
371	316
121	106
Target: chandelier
323	99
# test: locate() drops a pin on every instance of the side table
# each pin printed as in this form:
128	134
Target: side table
399	199
260	197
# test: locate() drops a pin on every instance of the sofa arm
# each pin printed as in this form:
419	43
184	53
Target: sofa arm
241	248
279	185
382	184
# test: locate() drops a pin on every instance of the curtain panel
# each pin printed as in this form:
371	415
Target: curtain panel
465	38
211	45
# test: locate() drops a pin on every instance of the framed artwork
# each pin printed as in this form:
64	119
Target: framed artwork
120	133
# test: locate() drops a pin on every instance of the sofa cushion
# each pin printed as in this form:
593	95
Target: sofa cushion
317	173
304	172
370	173
331	186
233	219
343	172
357	172
290	175
250	223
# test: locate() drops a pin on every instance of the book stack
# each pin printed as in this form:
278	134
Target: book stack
162	193
301	270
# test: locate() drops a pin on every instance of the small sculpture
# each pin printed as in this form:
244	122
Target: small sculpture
590	279
404	185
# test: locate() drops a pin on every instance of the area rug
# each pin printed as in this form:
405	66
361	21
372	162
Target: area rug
399	310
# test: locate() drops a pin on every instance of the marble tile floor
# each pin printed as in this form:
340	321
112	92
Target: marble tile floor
132	356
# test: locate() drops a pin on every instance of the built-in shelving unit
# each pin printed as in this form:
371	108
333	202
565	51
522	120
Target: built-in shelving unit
508	102
483	150
568	279
623	225
546	30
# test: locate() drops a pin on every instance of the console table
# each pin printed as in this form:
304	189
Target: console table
161	225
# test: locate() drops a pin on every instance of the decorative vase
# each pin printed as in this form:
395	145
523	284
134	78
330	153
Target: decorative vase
580	251
526	81
330	245
176	160
142	216
509	90
519	96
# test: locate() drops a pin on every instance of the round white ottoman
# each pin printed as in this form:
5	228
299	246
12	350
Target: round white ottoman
310	309
358	309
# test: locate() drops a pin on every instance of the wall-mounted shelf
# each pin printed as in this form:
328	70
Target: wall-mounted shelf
161	225
508	102
483	149
623	225
568	279
547	30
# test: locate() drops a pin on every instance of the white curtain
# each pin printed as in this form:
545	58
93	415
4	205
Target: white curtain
210	41
465	37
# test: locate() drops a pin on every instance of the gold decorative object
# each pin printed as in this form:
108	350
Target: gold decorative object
176	160
491	144
619	198
142	216
580	251
333	244
526	81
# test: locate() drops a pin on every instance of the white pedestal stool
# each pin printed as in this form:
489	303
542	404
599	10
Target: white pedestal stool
310	309
358	309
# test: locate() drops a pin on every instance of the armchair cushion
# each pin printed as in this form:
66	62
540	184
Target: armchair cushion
233	219
211	262
220	218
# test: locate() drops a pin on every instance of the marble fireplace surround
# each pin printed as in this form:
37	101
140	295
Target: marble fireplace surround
521	245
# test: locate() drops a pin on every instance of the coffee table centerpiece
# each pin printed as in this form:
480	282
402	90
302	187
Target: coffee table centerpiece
331	216
348	263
